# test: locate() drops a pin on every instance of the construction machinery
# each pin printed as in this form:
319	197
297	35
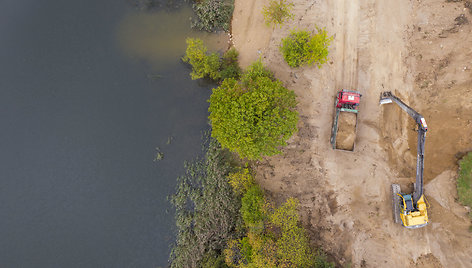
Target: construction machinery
411	209
343	133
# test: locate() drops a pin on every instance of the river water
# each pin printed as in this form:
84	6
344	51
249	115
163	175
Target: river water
88	90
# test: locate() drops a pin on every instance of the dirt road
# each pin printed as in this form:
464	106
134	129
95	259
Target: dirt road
413	48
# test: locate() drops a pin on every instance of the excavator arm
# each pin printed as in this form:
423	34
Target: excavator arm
388	97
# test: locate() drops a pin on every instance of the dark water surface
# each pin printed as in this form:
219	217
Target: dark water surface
84	102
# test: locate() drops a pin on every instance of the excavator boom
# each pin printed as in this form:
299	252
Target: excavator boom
417	217
388	97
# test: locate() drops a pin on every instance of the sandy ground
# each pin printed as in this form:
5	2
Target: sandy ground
414	48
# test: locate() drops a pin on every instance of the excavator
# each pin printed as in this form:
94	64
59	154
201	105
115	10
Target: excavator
411	209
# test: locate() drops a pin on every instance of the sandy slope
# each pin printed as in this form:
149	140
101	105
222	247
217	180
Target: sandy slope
378	45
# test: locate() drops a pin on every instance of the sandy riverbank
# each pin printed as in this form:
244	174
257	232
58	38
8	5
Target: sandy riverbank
415	49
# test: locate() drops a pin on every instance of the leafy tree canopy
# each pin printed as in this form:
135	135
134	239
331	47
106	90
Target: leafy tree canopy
303	48
253	116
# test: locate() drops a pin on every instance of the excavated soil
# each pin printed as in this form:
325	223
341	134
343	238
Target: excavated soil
421	51
346	131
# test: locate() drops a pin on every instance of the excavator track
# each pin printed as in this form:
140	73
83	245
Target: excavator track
396	202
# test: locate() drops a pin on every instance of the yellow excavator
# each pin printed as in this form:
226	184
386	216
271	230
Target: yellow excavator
411	209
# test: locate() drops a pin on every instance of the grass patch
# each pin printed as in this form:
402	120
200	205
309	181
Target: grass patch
464	181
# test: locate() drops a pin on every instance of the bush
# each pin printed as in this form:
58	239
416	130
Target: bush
255	116
203	65
213	15
211	65
230	65
277	12
206	210
283	243
464	181
293	248
252	207
302	48
241	181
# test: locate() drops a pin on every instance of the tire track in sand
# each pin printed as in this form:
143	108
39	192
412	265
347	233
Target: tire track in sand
346	43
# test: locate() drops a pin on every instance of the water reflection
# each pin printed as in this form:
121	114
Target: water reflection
159	36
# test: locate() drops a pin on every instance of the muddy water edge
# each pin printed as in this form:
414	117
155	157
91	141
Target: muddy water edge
89	90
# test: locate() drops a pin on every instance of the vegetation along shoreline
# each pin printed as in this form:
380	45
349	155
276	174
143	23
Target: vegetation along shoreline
223	217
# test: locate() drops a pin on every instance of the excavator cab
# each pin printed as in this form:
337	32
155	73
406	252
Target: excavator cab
413	215
407	203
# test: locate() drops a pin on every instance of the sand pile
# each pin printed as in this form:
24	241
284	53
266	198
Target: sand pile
346	131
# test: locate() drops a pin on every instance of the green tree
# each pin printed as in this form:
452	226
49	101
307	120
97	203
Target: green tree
302	48
277	12
255	116
252	207
203	64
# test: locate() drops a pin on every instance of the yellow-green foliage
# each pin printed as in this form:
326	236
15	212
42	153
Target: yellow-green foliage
277	12
211	65
254	116
241	181
286	216
303	48
252	208
203	64
464	181
282	243
293	249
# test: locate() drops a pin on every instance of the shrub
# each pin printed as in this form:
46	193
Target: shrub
283	243
213	15
211	65
230	65
277	12
255	116
206	210
241	181
292	246
252	206
302	48
464	181
203	65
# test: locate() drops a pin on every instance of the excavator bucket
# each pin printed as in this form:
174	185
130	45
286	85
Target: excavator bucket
385	97
396	202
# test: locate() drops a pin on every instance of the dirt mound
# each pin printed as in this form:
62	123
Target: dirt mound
427	261
346	131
